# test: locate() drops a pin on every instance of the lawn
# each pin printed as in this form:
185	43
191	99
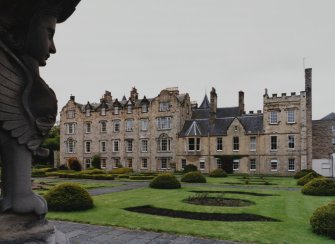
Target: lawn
292	208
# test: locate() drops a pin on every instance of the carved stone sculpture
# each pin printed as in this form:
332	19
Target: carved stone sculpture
28	107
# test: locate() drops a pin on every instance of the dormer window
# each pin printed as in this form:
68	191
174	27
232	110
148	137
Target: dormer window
144	108
103	111
116	110
88	112
129	109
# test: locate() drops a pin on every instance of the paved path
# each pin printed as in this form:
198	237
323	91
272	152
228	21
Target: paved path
88	234
124	187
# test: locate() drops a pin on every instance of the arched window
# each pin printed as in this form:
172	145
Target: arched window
164	143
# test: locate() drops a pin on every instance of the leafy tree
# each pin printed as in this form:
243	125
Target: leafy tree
96	162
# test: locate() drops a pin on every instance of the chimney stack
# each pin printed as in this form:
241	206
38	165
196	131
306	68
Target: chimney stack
72	98
241	102
108	96
134	94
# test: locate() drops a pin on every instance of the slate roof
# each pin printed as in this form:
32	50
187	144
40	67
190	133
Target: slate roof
330	116
205	103
200	124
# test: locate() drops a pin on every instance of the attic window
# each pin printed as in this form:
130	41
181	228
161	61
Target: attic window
144	108
116	110
70	114
88	112
130	109
103	111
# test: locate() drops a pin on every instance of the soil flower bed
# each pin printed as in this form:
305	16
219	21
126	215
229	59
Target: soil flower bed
147	209
204	199
238	192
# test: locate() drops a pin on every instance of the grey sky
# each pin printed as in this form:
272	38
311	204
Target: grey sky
232	45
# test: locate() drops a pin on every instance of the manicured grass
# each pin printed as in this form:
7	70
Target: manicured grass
291	207
85	184
274	182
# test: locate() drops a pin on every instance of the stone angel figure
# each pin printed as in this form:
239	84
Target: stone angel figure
28	107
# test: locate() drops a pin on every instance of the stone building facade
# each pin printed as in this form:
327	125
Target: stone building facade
168	132
136	133
324	145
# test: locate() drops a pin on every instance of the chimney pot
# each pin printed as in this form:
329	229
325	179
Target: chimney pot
251	112
274	95
259	111
293	93
283	94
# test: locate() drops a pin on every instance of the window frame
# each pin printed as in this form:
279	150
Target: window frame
253	144
129	125
166	161
144	124
129	109
273	117
103	126
273	144
236	162
69	142
164	106
202	164
116	145
88	131
144	145
144	108
164	123
88	145
144	163
289	166
129	145
183	163
219	144
103	146
291	142
272	163
236	143
253	165
71	114
291	116
116	124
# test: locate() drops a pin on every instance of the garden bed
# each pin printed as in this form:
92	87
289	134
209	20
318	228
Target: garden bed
148	209
238	192
204	199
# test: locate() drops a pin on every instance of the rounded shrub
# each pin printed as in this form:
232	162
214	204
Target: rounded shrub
302	173
68	197
319	187
323	220
74	164
96	162
194	177
307	178
218	173
190	168
165	181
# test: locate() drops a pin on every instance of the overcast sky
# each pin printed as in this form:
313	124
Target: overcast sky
231	45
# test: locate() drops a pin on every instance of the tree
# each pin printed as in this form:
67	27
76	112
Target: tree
96	162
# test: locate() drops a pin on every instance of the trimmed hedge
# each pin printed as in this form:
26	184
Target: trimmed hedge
323	220
68	197
122	176
82	176
93	171
121	171
165	181
307	178
302	173
141	177
319	187
218	173
194	177
190	168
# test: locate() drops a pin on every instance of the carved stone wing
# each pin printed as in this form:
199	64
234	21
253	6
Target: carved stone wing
14	116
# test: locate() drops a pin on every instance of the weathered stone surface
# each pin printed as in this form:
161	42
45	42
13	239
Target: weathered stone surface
28	229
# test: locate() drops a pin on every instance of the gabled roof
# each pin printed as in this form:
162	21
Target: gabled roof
330	116
205	103
252	124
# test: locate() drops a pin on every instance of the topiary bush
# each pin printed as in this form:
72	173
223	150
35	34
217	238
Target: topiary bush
193	177
190	168
74	164
68	197
302	173
96	162
121	171
319	187
307	178
218	173
323	220
165	181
